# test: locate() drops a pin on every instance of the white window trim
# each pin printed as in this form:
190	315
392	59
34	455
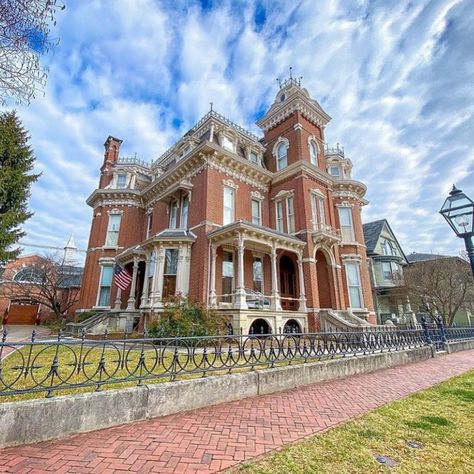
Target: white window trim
256	256
312	139
112	213
229	137
233	189
187	211
277	220
174	201
102	265
356	262
352	222
288	215
259	204
284	141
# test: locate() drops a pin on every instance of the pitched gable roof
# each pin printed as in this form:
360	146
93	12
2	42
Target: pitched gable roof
372	232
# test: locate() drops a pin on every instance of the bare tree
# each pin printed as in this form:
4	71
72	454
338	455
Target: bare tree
24	37
446	284
49	281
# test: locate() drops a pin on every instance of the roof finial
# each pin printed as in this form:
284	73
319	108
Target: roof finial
299	80
291	72
279	81
212	104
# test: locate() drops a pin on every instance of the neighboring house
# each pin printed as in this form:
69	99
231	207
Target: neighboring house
19	282
265	229
464	316
386	263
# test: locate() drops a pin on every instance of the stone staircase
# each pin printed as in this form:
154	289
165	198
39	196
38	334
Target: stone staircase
332	320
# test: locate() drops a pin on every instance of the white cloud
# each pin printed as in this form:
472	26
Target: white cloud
395	76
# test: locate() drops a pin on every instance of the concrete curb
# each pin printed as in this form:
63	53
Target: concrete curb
44	419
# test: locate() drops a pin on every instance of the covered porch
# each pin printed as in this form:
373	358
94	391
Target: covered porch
257	272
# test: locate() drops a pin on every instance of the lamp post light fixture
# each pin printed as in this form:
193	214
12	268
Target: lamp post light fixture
458	210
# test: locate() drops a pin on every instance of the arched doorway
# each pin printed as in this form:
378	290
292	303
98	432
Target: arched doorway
324	281
260	326
288	284
291	327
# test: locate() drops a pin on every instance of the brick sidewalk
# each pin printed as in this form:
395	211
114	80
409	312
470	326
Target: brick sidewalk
211	439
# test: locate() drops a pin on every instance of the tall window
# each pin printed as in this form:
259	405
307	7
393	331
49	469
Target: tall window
290	214
105	284
121	181
313	152
279	216
317	209
151	271
173	214
184	211
256	212
229	205
258	274
149	224
170	271
227	276
388	248
113	230
282	156
353	282
345	219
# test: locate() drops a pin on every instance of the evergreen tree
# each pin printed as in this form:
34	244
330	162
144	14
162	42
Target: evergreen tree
16	163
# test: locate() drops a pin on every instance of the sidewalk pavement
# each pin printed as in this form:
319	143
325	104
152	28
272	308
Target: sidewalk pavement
218	437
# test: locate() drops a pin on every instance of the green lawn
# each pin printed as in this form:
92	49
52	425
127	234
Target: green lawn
441	419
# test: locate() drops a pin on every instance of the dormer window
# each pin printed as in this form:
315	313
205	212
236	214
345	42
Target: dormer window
388	248
335	172
282	156
121	181
254	158
227	143
313	152
282	97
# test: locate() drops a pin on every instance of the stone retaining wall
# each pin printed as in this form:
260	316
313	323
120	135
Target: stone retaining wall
43	419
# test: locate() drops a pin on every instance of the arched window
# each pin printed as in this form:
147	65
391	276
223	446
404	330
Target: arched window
29	275
313	152
388	248
282	156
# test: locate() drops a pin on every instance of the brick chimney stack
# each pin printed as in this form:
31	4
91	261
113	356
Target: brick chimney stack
112	148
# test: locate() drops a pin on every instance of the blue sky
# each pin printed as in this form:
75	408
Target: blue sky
397	77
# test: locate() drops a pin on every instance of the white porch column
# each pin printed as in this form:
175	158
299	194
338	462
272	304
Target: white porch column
158	277
155	294
212	281
302	305
276	304
131	299
146	283
118	300
240	297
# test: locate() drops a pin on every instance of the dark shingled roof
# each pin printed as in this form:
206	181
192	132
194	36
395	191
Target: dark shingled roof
415	257
372	232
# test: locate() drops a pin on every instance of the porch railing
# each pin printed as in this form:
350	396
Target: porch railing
54	365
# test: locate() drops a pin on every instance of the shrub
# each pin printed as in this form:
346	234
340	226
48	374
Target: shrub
184	319
80	317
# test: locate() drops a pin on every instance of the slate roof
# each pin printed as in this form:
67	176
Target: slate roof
372	232
416	257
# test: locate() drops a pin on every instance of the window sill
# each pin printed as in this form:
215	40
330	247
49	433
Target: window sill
101	307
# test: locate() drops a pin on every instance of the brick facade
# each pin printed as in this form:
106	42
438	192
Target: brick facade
289	165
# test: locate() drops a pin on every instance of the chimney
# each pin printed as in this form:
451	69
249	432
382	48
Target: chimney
112	147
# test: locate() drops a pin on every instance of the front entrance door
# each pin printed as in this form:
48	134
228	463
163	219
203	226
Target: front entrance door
288	284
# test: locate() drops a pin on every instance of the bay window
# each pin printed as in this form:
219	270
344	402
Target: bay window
170	271
184	211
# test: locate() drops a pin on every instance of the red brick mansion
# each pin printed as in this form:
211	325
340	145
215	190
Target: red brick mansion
265	229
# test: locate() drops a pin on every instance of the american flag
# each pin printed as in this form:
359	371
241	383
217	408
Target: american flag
122	278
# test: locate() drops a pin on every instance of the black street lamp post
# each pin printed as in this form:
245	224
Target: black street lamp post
458	210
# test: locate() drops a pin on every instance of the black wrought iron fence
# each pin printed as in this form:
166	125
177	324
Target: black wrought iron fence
59	364
63	364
